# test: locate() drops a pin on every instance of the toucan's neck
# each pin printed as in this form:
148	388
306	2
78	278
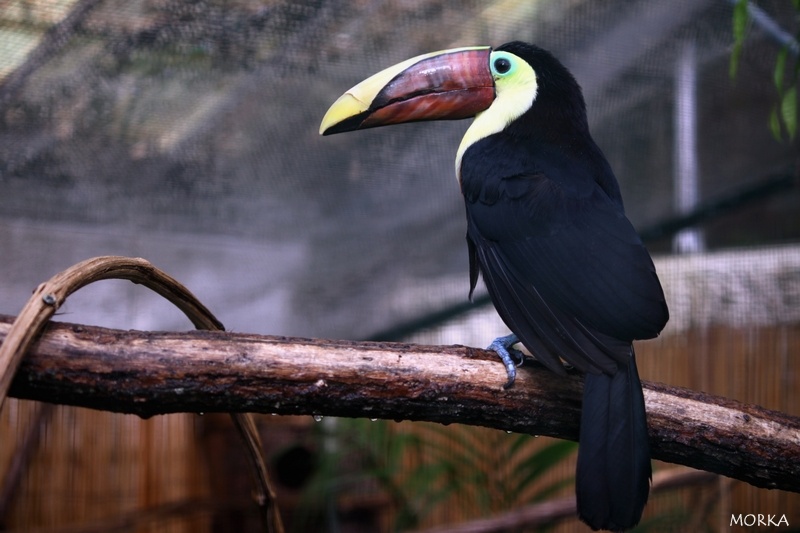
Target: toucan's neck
484	124
531	129
561	122
513	101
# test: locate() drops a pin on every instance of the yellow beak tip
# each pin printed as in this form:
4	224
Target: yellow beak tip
345	107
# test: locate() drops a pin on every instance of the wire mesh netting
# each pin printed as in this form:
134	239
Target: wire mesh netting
187	133
173	130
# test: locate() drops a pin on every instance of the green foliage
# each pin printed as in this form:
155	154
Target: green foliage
784	114
498	471
409	470
740	20
785	110
421	466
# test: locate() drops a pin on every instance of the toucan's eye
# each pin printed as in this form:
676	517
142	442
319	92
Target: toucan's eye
502	63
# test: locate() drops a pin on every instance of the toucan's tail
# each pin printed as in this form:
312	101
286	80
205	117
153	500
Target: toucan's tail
613	476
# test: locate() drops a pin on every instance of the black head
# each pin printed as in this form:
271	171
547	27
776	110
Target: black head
559	99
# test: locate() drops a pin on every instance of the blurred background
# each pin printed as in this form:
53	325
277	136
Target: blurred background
186	132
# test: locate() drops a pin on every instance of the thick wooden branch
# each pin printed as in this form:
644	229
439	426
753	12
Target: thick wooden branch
149	373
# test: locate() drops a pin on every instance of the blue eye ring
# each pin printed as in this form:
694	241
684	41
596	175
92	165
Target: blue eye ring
502	64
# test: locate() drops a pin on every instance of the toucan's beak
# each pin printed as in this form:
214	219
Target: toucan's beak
452	84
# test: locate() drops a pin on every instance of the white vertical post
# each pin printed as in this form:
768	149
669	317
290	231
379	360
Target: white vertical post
686	177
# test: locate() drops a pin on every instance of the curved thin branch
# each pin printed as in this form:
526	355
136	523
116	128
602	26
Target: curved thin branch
149	373
49	296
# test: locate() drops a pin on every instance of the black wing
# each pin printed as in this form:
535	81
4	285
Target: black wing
564	267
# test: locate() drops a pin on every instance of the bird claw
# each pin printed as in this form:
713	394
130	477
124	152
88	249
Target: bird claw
511	358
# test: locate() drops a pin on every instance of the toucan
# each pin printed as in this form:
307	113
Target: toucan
547	231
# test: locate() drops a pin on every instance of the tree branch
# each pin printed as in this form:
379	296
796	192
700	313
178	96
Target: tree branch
48	296
149	373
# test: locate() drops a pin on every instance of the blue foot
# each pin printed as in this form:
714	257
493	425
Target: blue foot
511	358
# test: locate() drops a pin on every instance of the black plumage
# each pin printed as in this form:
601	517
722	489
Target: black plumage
570	277
547	230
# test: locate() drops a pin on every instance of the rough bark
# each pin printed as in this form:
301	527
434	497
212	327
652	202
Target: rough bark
150	373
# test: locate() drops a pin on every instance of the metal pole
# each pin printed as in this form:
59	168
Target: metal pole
686	178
